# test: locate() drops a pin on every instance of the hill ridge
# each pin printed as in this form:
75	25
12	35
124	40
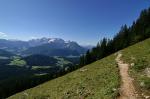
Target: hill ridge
99	80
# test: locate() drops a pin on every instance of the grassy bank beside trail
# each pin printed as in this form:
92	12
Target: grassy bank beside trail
138	56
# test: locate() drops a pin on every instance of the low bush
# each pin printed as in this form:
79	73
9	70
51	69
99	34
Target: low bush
146	82
140	64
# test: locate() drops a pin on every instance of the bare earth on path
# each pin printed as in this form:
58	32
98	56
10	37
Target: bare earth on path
127	89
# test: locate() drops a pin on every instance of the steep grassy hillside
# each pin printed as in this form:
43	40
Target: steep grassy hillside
138	56
98	80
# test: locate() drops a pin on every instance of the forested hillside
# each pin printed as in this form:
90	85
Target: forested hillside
20	73
98	80
128	35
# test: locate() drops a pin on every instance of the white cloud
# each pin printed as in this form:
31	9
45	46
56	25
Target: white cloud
3	35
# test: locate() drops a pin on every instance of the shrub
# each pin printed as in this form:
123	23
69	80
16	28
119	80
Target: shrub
140	64
146	81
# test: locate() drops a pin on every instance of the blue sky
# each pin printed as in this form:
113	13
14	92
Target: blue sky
84	21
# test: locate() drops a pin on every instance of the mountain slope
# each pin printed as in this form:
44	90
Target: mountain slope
54	47
45	46
50	50
138	56
14	46
97	80
4	53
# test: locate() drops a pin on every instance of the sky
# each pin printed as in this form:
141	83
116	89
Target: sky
83	21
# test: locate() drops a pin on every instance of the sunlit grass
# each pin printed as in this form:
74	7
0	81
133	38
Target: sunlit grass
139	56
98	80
40	67
18	62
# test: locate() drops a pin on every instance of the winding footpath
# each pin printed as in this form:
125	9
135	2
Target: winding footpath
127	89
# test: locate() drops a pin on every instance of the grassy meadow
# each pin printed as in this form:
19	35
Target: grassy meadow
98	80
138	56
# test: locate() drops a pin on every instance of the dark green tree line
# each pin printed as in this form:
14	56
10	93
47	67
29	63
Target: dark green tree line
138	31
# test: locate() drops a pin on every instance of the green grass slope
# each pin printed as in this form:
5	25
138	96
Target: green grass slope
98	80
138	56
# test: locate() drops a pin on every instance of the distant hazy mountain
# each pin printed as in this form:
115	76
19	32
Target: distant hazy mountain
45	46
4	53
89	47
54	47
14	46
37	42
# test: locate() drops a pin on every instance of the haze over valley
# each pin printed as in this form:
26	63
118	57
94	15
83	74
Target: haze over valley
74	49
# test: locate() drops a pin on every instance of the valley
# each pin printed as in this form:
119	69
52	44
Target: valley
97	80
29	71
72	49
100	79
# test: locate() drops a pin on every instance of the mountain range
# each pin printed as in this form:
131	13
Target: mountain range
45	46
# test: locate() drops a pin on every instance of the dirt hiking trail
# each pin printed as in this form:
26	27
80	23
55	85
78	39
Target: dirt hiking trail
127	90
